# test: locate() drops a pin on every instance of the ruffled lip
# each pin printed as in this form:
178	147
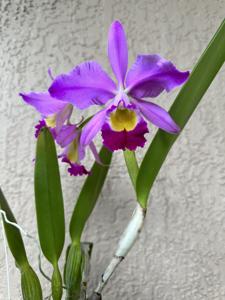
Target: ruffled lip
122	140
75	169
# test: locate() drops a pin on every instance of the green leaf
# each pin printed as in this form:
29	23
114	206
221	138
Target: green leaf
73	272
49	206
30	283
13	234
89	195
57	284
76	270
184	105
132	166
31	288
49	198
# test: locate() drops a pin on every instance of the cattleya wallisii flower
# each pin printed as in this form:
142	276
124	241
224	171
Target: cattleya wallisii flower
124	109
122	119
68	138
54	113
54	116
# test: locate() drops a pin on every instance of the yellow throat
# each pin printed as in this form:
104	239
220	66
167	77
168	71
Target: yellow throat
123	119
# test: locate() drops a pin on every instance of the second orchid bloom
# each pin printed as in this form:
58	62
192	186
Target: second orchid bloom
124	105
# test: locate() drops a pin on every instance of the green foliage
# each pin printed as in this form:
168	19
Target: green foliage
183	107
89	195
13	234
56	284
49	205
75	258
132	166
73	272
30	284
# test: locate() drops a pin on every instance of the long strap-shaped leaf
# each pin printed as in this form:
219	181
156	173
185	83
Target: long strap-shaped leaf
201	77
13	235
31	287
89	194
49	205
84	206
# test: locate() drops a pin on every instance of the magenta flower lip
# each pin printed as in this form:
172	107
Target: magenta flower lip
88	84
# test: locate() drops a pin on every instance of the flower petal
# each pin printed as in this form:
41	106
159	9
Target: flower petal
81	151
151	74
43	102
91	129
158	116
63	115
95	153
117	51
86	85
41	124
78	170
66	135
115	140
75	169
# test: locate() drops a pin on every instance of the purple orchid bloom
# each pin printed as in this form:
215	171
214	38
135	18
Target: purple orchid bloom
68	138
122	119
54	115
54	112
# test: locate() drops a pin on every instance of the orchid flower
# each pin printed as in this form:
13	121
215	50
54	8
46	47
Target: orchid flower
55	114
68	138
122	119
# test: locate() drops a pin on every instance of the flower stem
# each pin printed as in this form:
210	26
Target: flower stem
132	165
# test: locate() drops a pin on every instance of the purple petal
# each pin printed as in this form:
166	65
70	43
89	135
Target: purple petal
78	170
115	140
75	169
63	115
43	102
117	51
91	129
86	85
95	153
39	126
151	74
81	151
66	135
158	116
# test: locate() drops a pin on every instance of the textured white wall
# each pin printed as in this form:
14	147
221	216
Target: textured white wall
181	252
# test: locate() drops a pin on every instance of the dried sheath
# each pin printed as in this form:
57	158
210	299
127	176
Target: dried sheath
126	242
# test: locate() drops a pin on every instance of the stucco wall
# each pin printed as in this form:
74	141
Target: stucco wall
181	251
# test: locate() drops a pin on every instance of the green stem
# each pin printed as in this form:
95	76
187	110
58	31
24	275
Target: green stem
132	166
56	283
